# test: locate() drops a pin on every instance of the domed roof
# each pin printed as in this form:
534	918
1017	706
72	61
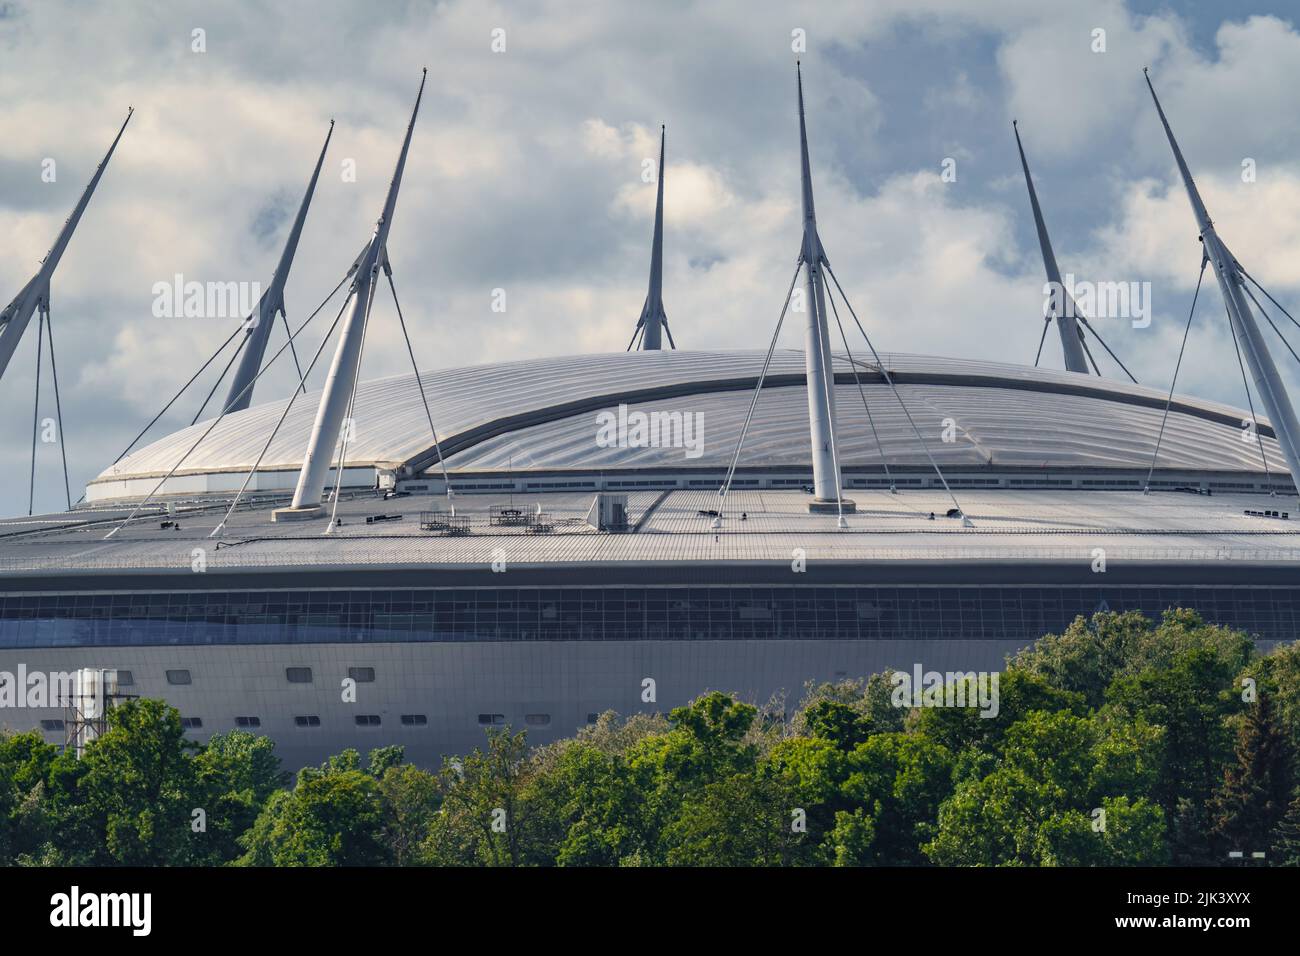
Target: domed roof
543	414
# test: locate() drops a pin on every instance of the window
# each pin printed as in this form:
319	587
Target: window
362	675
176	677
248	721
489	719
537	720
298	675
192	723
307	721
51	725
368	720
414	720
125	679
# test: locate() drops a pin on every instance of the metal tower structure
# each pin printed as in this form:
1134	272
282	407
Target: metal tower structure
340	383
36	293
271	304
817	348
653	321
1071	335
1230	275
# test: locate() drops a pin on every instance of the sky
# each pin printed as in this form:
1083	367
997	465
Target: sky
526	176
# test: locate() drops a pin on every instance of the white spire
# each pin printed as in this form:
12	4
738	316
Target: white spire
272	302
343	371
1268	383
16	315
1071	345
817	351
652	314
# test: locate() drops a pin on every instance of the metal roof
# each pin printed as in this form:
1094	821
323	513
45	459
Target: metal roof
541	414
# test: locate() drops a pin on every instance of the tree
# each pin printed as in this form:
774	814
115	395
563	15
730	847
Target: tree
235	775
332	817
136	789
1256	788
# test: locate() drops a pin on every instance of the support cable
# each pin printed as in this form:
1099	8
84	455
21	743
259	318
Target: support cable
669	333
169	404
217	383
1047	321
1177	365
890	380
635	333
1266	294
211	359
58	410
446	479
865	406
216	421
283	415
36	406
758	386
302	379
1098	337
1270	323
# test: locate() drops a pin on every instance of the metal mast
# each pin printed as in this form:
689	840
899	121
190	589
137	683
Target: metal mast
652	314
36	293
1071	345
1268	383
271	304
343	370
817	350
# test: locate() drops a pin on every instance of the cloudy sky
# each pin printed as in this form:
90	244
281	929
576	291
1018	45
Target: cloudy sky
525	175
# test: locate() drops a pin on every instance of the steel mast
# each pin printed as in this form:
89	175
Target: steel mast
347	356
1268	383
653	317
36	293
1071	345
817	350
271	304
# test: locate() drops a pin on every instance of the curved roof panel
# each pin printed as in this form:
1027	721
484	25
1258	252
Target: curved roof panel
541	414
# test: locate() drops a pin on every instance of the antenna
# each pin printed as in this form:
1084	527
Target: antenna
36	293
340	384
272	302
1064	308
1269	384
653	318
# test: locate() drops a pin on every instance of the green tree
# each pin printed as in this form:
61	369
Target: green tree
235	775
1256	788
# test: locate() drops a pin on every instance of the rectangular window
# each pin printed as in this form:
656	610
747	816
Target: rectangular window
125	679
178	677
537	720
298	675
248	722
414	720
362	675
368	720
489	719
51	725
192	723
310	720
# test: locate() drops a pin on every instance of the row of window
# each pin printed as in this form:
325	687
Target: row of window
532	720
294	675
845	612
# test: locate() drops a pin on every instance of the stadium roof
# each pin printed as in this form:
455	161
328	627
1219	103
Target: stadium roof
540	415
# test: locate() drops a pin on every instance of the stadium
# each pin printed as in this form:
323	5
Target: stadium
412	559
